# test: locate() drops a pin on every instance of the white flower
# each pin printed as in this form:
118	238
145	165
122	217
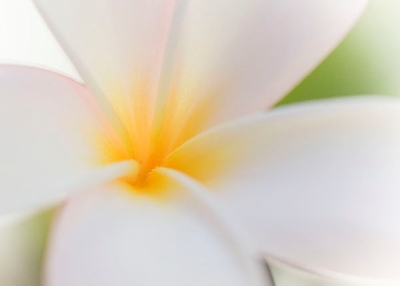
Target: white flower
156	150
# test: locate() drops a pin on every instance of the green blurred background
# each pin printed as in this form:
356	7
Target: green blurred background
366	62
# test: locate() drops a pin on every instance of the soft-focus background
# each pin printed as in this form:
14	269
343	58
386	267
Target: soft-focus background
367	62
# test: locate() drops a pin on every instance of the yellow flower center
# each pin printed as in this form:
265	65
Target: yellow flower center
146	131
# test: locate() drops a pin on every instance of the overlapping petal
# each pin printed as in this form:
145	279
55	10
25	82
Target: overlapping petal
49	128
238	57
118	47
112	235
316	184
194	63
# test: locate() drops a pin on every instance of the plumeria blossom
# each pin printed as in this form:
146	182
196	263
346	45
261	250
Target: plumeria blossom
167	151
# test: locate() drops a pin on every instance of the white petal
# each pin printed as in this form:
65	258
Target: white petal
25	38
237	57
48	143
111	236
117	47
22	243
316	184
